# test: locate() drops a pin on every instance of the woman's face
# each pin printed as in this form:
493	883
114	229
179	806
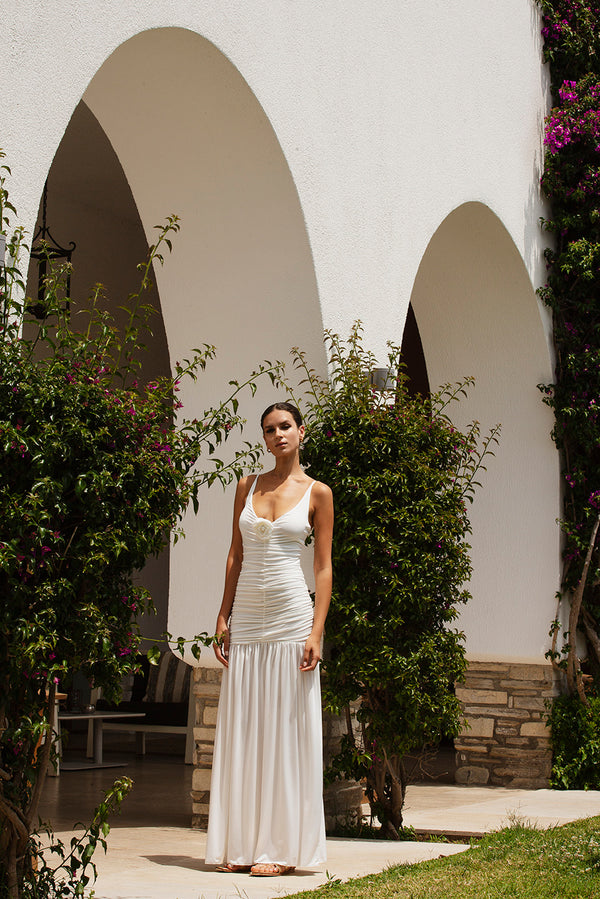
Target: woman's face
281	433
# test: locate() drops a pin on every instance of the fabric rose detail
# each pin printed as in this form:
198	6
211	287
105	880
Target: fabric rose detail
263	529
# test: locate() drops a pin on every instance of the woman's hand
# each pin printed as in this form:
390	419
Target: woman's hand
312	654
221	647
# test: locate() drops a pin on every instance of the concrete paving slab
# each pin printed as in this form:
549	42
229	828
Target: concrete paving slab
472	811
168	863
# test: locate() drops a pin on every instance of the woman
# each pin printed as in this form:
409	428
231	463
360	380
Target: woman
266	807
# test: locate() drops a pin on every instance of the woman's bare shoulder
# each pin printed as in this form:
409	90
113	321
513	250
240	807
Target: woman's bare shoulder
321	492
244	484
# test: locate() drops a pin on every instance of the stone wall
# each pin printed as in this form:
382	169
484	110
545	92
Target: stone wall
506	742
206	684
342	799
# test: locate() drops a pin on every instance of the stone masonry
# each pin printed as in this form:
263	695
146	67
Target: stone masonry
506	742
342	799
206	684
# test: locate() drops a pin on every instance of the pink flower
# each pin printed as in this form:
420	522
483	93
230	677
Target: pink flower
594	499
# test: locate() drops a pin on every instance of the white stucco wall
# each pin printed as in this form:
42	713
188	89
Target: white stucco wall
478	316
387	114
366	125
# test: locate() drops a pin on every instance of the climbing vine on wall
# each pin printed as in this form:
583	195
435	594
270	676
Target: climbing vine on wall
571	182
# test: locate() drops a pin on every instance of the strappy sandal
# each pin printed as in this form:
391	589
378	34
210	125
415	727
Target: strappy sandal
228	868
274	870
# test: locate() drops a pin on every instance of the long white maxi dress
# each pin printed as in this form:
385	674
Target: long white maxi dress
266	792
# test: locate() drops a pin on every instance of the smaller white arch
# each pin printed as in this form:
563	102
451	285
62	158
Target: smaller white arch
478	315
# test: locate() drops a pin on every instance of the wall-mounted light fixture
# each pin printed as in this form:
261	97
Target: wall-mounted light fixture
46	249
382	379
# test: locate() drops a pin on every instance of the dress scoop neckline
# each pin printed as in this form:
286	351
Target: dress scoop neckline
279	517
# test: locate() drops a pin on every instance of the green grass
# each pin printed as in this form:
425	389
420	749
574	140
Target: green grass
516	863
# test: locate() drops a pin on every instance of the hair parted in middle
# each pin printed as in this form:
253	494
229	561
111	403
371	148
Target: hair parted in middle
283	407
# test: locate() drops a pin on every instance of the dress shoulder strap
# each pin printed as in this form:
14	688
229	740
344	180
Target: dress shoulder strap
308	491
251	491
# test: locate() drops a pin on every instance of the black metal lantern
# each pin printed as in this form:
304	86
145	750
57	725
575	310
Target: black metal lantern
45	249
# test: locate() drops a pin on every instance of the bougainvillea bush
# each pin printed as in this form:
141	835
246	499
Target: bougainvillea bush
402	476
571	182
96	471
571	39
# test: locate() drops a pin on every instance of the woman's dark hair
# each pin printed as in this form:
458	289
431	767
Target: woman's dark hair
284	407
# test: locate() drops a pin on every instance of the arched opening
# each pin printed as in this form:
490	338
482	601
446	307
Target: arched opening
90	202
413	356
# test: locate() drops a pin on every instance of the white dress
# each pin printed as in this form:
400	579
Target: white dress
266	792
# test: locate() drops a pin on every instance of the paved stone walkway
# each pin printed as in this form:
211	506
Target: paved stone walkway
168	863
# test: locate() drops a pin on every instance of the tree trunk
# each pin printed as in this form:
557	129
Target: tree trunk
398	789
386	783
43	758
17	823
591	634
574	678
13	880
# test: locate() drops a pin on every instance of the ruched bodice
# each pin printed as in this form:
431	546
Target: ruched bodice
272	602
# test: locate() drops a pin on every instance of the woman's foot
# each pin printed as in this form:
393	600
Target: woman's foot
271	869
228	868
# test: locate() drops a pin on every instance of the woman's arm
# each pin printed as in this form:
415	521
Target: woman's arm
323	528
232	573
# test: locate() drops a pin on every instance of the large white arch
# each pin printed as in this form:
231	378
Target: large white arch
478	315
241	275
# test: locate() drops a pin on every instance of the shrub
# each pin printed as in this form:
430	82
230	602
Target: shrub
97	471
401	475
575	739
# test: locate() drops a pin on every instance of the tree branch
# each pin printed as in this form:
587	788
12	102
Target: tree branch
591	633
43	758
555	630
574	679
11	813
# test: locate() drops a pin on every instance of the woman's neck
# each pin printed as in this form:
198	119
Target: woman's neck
286	468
